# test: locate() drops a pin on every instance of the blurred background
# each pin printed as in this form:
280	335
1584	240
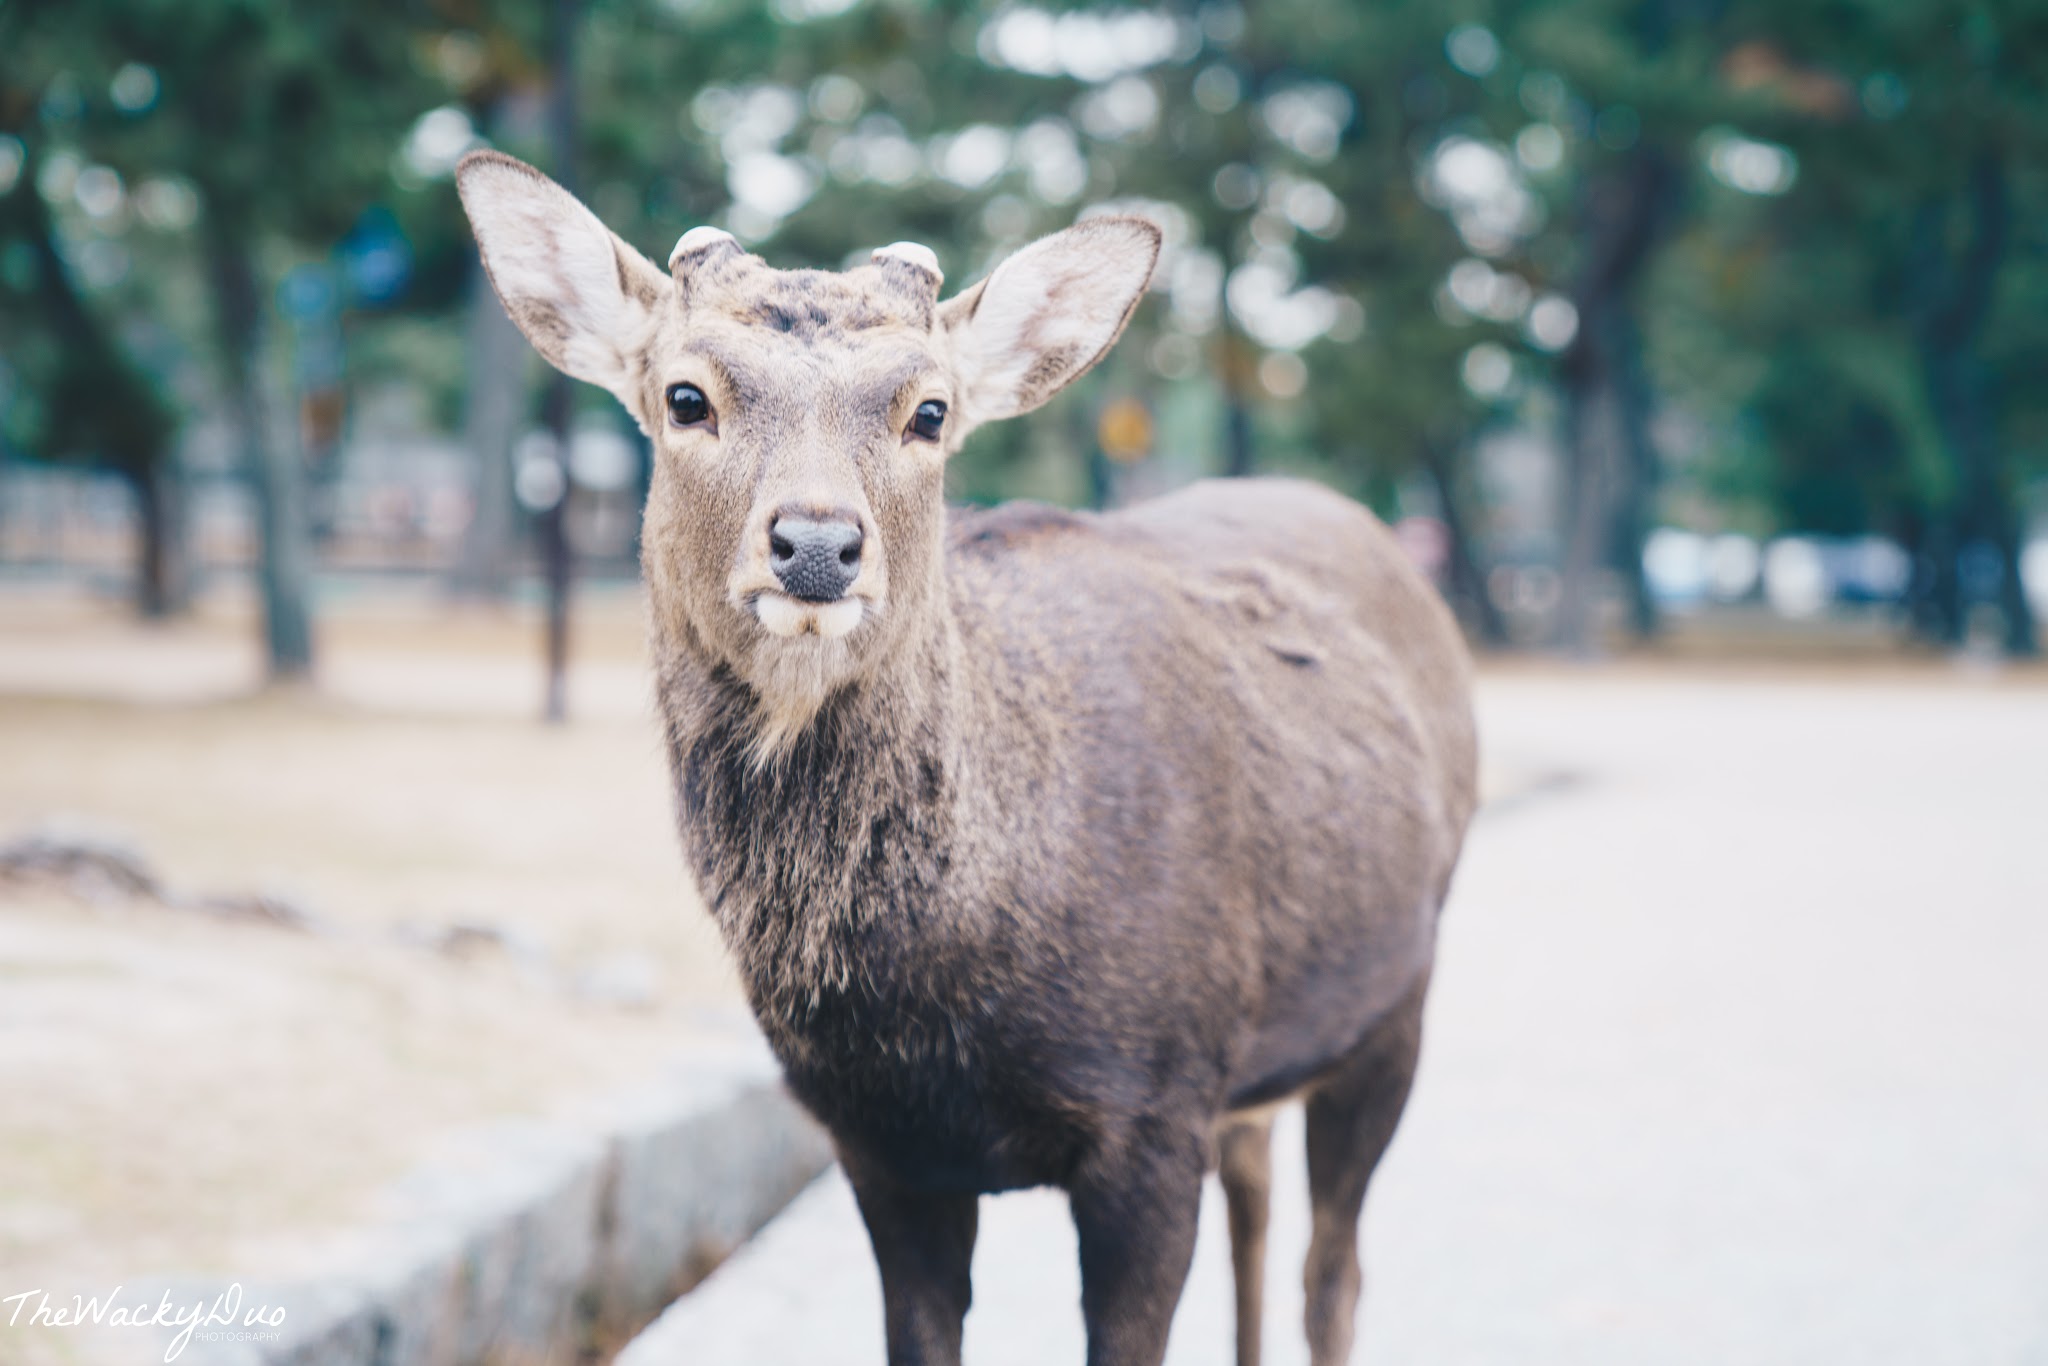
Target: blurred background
1696	349
1636	315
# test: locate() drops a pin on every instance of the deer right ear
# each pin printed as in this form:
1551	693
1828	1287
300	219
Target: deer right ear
1048	313
584	298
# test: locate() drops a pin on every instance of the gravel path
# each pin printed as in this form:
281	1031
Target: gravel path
1736	1055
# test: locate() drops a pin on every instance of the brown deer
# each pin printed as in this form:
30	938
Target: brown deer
1053	848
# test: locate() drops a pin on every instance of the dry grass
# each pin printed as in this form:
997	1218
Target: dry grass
190	1095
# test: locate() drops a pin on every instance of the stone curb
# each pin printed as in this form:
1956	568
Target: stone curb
531	1243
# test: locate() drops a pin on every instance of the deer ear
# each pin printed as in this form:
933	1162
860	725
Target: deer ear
582	297
1048	313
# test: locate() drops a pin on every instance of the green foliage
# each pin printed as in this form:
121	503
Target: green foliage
1796	331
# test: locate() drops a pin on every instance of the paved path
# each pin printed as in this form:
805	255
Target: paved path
1738	1054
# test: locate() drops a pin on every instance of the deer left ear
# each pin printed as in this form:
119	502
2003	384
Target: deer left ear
582	297
1046	315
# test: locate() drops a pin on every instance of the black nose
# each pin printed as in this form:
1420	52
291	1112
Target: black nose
817	560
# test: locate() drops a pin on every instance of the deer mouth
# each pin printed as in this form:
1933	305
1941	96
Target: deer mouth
789	617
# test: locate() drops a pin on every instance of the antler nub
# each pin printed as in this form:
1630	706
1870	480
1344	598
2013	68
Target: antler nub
698	239
912	254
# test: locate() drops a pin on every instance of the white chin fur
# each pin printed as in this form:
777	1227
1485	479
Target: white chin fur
785	616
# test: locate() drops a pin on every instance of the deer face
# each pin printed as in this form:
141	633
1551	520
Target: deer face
800	419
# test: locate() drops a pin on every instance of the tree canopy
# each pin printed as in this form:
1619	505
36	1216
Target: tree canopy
1748	266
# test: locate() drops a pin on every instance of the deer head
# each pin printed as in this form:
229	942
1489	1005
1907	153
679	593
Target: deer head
801	419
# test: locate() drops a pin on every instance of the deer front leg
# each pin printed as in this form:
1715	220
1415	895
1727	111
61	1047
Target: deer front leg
924	1248
1135	1211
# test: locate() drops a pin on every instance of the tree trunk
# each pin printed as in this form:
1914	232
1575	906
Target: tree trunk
105	406
161	578
1636	491
560	403
1468	576
285	555
1239	374
494	408
1237	368
1610	464
1954	296
1589	458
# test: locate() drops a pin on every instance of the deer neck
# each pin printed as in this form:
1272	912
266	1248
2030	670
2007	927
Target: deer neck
812	861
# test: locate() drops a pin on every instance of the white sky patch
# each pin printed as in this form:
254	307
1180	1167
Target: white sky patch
1552	323
1308	204
1747	164
1309	117
166	203
1488	370
1051	156
1478	184
1540	147
99	192
57	177
437	141
769	184
972	157
1124	108
1194	286
1498	295
1272	312
879	150
803	11
837	98
602	459
134	88
745	119
1088	45
1473	49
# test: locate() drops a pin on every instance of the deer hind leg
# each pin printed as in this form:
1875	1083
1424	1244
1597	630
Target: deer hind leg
1244	1152
1351	1118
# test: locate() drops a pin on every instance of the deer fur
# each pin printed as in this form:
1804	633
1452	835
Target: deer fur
1072	843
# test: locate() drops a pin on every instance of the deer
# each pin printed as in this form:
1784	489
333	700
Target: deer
1052	848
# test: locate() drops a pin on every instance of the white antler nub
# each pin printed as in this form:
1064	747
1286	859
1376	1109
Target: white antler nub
697	239
913	254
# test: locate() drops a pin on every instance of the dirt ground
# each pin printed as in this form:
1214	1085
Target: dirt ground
192	1094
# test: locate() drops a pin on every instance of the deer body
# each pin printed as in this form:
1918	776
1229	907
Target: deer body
1052	848
1176	848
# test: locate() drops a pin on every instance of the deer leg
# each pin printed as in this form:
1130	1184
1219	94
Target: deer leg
1351	1118
924	1247
1245	1163
1135	1211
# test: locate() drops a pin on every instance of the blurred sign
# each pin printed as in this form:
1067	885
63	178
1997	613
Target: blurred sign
309	300
1124	431
375	258
320	417
307	294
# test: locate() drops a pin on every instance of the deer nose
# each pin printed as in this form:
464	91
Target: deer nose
817	559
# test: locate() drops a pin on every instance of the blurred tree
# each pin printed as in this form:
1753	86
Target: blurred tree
90	399
1879	300
1805	241
283	122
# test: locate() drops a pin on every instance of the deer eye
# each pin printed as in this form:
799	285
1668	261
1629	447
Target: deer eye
927	420
687	405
